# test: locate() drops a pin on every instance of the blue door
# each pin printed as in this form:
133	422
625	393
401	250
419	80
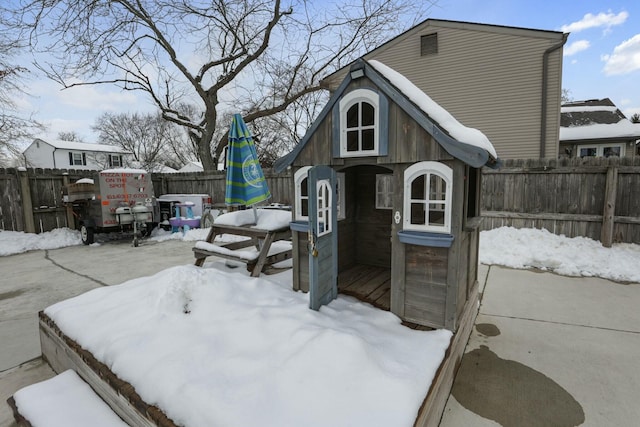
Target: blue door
323	236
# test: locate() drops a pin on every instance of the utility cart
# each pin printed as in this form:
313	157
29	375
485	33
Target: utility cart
119	200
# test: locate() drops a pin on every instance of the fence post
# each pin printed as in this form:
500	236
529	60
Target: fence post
71	223
606	236
27	205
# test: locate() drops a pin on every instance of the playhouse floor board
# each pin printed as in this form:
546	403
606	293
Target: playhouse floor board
367	283
372	285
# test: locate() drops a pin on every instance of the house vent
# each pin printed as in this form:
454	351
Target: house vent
429	44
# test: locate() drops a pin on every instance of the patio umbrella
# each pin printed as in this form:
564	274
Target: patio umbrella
246	184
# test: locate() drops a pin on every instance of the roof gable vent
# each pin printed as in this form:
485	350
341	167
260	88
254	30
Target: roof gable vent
429	44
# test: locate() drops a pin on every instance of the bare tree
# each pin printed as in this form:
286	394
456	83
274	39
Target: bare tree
565	96
147	136
256	57
15	127
71	136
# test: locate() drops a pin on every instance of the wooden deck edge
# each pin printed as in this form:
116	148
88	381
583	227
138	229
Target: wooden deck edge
432	408
20	419
62	353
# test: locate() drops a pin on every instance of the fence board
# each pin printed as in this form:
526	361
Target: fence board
564	196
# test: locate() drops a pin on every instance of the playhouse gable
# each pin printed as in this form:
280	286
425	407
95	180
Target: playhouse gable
367	116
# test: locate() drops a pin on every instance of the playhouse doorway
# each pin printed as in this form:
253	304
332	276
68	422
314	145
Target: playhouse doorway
364	236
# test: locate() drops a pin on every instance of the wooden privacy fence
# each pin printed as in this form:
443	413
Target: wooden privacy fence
596	198
32	198
213	184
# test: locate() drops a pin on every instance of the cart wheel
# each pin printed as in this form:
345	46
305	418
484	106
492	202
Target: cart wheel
86	234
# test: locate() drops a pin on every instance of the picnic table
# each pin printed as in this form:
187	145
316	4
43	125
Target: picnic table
262	244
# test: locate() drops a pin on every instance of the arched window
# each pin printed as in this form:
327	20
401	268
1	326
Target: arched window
427	197
359	123
302	197
325	204
301	193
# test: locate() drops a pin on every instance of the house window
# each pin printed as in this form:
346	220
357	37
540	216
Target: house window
359	123
77	159
324	208
384	191
302	194
115	160
427	197
429	44
605	150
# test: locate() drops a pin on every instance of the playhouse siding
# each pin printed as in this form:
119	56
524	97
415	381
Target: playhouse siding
429	284
488	77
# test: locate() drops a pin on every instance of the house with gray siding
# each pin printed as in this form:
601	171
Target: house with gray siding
504	81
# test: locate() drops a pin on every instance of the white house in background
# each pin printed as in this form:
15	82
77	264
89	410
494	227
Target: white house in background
597	128
192	167
56	154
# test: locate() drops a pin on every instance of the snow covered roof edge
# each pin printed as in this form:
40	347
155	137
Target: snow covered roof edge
432	109
475	154
83	146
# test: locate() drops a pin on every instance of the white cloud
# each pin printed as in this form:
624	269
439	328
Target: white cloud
575	47
590	20
56	125
624	59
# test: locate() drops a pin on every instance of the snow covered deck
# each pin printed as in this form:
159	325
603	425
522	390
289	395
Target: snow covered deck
198	347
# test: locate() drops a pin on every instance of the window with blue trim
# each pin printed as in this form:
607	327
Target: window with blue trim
301	195
360	123
427	197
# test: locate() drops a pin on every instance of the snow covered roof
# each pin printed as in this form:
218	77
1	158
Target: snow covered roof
191	167
84	146
466	144
432	109
595	119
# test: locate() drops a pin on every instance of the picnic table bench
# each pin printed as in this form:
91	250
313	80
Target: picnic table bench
264	256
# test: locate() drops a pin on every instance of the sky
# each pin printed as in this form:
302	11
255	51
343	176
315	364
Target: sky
264	338
601	59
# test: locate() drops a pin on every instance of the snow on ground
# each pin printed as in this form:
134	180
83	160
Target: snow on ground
65	400
16	242
578	256
506	246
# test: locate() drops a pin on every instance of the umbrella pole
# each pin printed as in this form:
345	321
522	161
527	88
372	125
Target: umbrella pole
255	214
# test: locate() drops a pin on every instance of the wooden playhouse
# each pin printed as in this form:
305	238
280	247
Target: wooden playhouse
386	203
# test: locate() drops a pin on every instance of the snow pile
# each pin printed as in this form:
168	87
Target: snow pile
449	123
216	348
16	242
65	400
578	256
193	235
